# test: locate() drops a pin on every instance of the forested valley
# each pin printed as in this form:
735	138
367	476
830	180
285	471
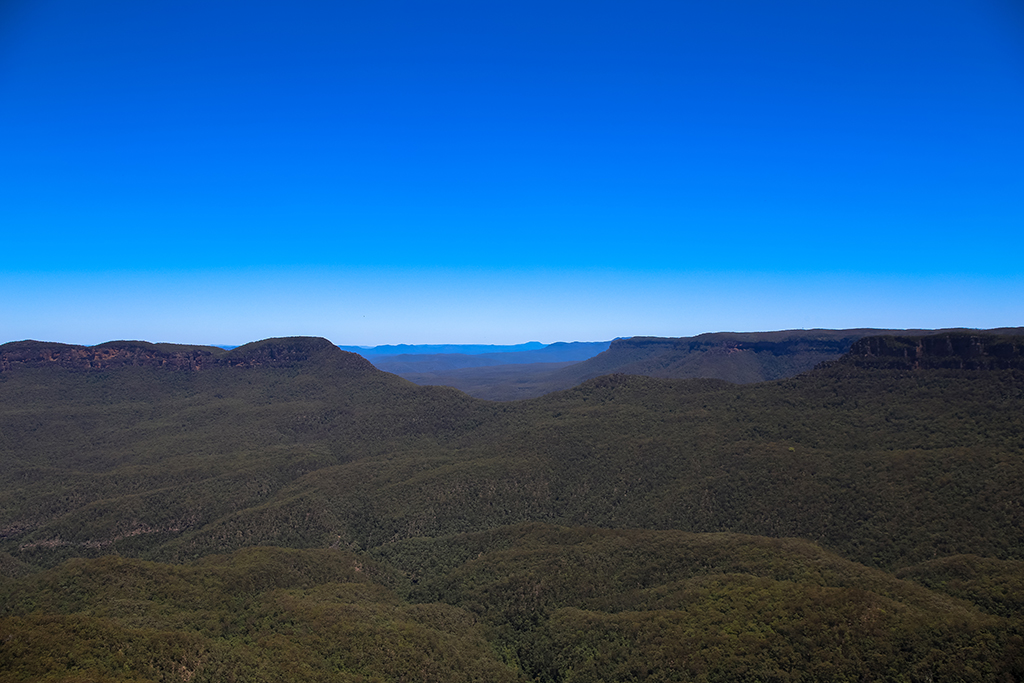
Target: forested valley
286	511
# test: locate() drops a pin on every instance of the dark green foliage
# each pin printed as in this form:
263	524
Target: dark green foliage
447	503
12	567
264	614
591	605
889	467
996	586
492	383
556	604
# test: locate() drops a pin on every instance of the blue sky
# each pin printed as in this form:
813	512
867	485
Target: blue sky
494	172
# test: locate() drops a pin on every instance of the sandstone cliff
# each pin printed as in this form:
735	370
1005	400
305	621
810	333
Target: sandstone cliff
953	350
279	352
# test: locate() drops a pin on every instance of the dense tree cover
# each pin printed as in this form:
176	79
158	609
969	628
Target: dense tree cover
528	602
589	605
996	586
889	467
911	477
265	614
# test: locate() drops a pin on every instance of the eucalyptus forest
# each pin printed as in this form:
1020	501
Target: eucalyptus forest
287	511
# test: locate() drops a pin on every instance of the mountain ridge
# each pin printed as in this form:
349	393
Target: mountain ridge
559	352
273	352
682	357
431	349
964	350
738	357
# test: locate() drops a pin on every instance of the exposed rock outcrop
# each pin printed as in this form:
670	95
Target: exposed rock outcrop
105	356
740	357
280	352
954	350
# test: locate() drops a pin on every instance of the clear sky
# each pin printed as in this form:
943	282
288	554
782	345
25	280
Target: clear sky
402	171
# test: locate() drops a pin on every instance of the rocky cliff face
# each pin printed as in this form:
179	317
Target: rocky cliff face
101	357
968	351
735	357
283	352
784	347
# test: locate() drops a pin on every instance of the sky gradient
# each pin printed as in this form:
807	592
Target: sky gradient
409	172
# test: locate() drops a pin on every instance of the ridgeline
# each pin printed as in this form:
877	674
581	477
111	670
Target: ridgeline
739	357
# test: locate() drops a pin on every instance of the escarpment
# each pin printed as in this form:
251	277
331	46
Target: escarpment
953	350
279	352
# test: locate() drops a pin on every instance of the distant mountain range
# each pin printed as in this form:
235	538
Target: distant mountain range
420	349
739	357
421	362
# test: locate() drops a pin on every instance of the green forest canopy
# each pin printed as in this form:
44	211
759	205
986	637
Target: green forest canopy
629	528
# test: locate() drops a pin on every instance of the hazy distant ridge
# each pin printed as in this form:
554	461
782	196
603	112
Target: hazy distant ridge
738	357
560	352
468	349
